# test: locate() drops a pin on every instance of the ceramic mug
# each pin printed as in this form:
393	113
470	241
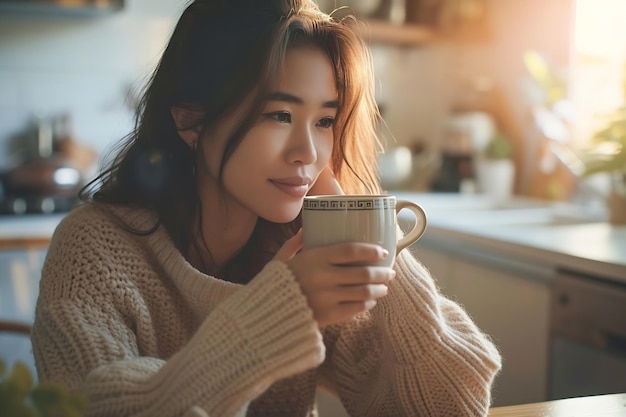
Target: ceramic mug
328	219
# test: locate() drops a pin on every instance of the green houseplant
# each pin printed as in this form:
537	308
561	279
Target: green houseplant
498	147
20	396
607	154
495	171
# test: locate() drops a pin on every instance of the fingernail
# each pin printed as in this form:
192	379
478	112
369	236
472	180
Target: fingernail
385	253
393	273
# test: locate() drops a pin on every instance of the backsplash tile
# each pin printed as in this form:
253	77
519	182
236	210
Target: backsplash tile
83	67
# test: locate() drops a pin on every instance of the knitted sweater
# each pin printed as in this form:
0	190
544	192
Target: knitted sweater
126	320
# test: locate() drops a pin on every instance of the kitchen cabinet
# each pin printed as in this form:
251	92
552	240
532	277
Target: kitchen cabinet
407	35
384	22
437	262
508	300
588	336
24	243
414	23
20	271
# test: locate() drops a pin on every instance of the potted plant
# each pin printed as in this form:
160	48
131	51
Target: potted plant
607	155
495	170
20	396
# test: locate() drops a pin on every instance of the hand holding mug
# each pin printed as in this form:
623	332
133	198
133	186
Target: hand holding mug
340	280
350	245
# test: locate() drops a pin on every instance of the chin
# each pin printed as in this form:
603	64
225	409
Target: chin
280	219
285	215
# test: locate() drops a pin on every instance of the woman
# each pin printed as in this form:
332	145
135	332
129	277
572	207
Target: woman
180	287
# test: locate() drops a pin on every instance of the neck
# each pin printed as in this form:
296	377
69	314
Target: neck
223	230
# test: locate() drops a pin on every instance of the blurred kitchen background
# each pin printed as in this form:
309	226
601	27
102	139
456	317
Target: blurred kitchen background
452	76
489	103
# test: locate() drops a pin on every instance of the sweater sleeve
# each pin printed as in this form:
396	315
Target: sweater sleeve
261	333
416	353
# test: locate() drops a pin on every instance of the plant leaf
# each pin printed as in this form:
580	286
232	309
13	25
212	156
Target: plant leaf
14	405
79	402
21	379
3	369
46	393
53	400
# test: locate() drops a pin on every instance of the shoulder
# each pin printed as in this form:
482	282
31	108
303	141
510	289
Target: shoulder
93	242
81	222
93	221
103	225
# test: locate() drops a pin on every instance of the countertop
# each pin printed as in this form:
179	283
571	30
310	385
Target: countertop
538	232
29	230
610	405
542	233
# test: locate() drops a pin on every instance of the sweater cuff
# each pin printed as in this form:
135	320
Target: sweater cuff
413	294
274	314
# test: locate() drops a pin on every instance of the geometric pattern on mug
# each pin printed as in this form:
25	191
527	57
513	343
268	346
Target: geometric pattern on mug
341	204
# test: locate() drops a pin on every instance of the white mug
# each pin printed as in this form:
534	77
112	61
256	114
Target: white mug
328	219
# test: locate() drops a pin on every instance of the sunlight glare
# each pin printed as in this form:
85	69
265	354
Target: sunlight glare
599	29
597	64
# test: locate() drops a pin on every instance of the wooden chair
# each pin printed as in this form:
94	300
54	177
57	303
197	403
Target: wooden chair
14	327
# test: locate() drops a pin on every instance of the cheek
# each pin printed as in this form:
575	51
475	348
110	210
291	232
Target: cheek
325	150
209	160
256	149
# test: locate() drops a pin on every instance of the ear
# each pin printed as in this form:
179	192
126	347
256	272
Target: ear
186	121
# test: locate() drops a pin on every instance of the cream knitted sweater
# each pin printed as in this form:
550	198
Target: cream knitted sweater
129	322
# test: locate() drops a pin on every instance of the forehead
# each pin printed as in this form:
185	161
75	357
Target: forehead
308	69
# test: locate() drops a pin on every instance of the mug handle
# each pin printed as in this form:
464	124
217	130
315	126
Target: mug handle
418	228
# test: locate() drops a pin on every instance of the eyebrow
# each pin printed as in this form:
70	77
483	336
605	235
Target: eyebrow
290	98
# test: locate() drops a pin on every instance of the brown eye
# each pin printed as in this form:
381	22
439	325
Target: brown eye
326	122
280	116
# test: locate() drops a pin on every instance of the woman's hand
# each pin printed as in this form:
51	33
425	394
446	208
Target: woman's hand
326	184
339	281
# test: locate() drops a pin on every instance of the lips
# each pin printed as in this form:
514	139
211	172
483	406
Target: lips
293	186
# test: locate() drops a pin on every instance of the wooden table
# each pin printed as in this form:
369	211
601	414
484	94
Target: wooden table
24	243
610	405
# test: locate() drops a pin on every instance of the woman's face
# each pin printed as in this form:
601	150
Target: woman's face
280	158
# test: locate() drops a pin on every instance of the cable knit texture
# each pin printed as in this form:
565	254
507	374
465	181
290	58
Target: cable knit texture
125	319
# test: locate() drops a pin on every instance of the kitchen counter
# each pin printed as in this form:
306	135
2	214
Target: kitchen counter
500	261
540	234
27	231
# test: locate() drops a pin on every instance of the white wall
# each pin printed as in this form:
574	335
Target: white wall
85	65
414	89
80	65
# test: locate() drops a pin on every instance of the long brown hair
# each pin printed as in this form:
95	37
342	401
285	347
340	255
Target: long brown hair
221	57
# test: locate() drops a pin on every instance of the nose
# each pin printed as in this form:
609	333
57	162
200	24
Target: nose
301	147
